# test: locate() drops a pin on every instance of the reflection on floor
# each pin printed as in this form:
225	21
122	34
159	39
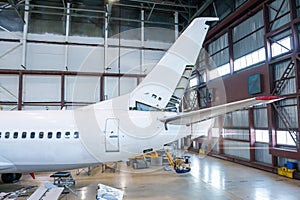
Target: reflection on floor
210	179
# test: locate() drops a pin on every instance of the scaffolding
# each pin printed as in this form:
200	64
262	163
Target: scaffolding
280	84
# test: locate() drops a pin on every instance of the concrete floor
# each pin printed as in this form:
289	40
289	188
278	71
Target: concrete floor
209	179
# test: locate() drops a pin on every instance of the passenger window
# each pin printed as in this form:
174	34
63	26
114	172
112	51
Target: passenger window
15	135
0	134
24	135
58	135
41	135
32	135
50	135
6	135
76	134
67	135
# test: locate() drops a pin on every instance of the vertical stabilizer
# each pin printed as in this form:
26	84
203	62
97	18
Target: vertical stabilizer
159	85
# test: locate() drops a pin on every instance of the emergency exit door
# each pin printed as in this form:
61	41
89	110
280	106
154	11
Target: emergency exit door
112	142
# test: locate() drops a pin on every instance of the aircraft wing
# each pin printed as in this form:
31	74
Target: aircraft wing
208	113
6	166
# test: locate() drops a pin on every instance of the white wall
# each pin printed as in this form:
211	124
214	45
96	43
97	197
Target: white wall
82	89
9	88
48	52
10	55
39	88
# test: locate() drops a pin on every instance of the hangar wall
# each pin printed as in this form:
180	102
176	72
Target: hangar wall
74	57
256	53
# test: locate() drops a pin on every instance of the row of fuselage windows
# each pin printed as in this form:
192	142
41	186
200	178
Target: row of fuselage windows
40	135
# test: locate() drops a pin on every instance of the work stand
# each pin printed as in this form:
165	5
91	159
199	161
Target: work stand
64	179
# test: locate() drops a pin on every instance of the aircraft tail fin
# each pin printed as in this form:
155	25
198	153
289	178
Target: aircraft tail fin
156	90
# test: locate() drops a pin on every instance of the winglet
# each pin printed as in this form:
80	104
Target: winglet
268	98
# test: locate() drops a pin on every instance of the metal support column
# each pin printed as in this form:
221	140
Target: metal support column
176	25
221	139
62	92
102	86
20	91
252	134
267	27
25	33
296	49
142	61
230	48
67	35
105	41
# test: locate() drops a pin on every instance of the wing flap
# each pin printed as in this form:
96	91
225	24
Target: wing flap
208	113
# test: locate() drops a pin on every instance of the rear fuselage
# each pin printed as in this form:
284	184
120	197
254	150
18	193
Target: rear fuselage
55	140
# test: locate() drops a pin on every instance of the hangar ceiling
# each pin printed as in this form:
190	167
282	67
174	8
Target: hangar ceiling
187	10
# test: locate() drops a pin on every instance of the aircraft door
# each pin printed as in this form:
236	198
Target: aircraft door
112	142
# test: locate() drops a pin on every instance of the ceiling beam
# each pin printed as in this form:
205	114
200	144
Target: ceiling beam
14	5
165	3
201	10
149	8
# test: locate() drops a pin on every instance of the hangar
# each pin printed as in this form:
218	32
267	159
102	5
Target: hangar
64	55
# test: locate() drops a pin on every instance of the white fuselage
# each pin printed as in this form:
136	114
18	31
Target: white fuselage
55	140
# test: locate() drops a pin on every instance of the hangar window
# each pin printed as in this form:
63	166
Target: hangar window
262	136
284	138
260	116
41	135
239	3
279	13
219	52
46	17
193	81
220	71
289	108
248	42
159	26
289	86
16	135
237	134
130	29
7	135
76	134
281	46
32	135
58	135
24	134
237	119
50	134
67	135
250	59
86	20
298	7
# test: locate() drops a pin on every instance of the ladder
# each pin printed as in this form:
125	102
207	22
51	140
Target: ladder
170	159
283	78
293	133
279	85
192	102
180	88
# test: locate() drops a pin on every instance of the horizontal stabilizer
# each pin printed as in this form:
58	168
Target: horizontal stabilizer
208	113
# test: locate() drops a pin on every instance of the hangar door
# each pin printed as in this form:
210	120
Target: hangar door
112	142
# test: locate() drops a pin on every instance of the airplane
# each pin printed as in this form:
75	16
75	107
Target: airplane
115	129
